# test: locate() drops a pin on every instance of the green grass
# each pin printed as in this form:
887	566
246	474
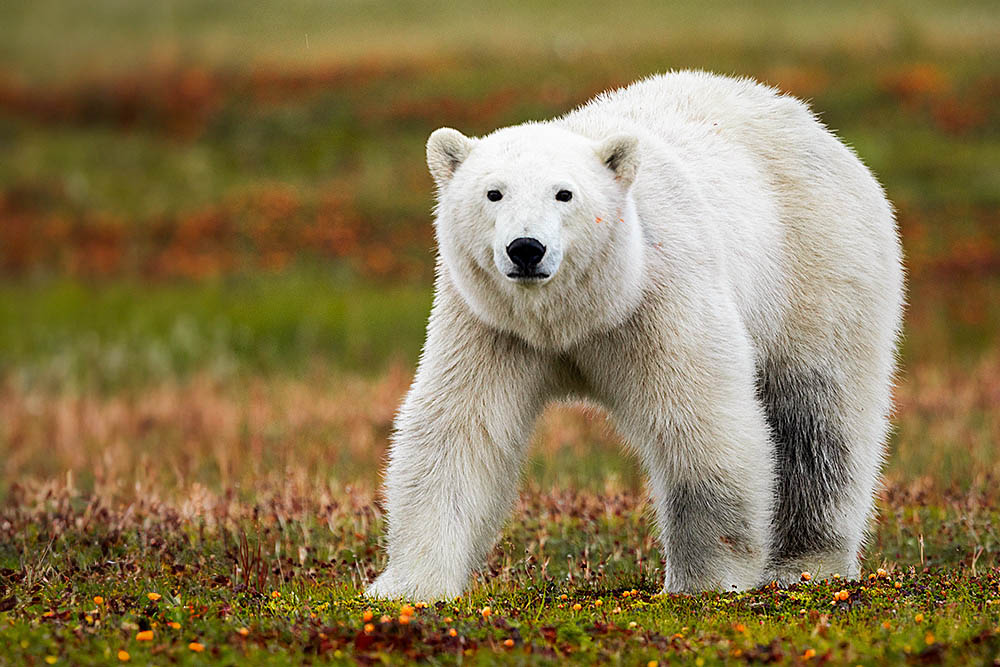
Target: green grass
53	39
564	549
112	336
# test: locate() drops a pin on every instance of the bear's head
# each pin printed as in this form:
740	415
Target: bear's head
537	228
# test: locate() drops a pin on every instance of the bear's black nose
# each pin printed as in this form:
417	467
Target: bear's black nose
526	253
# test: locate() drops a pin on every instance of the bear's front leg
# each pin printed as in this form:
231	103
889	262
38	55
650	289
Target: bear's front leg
686	402
455	459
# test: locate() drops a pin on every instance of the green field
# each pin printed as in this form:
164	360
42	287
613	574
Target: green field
216	258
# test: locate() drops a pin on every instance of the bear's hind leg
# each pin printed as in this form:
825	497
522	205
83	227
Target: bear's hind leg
828	452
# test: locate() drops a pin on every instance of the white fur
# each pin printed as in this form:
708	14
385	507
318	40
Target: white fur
733	228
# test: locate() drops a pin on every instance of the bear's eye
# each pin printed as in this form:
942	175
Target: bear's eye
494	195
564	195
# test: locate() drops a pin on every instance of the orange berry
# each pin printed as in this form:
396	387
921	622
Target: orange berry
887	625
897	585
368	615
447	619
577	607
806	576
275	595
124	656
929	638
406	610
196	647
809	654
452	632
919	618
486	611
385	619
153	596
145	636
563	597
404	619
175	625
243	632
508	642
882	573
740	627
99	600
369	628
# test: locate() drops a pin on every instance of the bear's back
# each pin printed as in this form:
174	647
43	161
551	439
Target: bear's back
779	187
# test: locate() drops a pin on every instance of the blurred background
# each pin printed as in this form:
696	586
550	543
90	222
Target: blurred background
216	248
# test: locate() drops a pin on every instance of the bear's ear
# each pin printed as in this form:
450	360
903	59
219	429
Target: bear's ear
446	150
620	154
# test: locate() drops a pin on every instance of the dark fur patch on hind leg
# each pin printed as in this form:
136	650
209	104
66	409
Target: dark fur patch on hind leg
812	455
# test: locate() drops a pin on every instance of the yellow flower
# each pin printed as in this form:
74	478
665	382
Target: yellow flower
98	600
652	663
882	573
897	585
486	612
275	594
806	576
919	618
452	632
196	647
145	636
887	625
175	625
153	596
577	607
929	638
51	659
563	597
598	603
124	656
809	654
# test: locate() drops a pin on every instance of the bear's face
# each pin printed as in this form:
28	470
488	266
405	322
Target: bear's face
528	214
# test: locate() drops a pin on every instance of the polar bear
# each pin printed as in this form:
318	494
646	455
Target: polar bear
702	257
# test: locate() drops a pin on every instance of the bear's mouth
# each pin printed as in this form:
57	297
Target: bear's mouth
522	276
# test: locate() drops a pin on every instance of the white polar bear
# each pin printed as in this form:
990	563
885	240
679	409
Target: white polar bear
700	255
